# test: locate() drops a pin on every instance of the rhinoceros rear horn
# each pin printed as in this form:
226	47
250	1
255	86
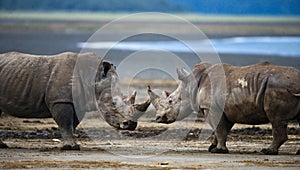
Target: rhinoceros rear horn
154	98
152	95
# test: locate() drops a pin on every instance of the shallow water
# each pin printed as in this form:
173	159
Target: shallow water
259	45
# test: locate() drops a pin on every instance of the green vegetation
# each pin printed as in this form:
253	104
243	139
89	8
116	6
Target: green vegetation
211	24
100	16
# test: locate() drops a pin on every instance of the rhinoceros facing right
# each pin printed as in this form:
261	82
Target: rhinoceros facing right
255	94
49	86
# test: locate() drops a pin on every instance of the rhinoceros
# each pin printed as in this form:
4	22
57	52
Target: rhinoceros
256	94
44	86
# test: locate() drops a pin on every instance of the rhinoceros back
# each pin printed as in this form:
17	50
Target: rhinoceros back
29	84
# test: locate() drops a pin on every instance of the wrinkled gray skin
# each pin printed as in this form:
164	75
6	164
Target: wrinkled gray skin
255	94
118	110
41	87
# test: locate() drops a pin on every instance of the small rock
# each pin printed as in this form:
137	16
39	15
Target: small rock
163	163
56	140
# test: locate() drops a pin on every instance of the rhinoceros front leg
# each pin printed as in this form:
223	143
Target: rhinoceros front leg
279	132
213	144
66	119
221	132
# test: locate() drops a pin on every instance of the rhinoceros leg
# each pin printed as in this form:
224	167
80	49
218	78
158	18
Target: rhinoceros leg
213	144
65	117
279	132
220	137
2	145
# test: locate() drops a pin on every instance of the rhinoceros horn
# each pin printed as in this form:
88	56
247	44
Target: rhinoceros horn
154	98
131	98
139	108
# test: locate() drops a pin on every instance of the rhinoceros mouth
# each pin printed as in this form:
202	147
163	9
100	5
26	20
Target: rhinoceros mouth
163	119
128	125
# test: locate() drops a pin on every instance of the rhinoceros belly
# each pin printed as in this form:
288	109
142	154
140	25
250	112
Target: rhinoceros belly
241	107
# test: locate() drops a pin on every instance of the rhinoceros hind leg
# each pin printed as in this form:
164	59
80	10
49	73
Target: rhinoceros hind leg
279	132
64	115
3	145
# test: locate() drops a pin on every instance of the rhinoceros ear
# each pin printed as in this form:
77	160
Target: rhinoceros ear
182	74
106	66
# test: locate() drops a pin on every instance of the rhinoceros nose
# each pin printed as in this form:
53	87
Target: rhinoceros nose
124	124
128	125
161	119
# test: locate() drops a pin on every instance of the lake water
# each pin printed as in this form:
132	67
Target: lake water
270	46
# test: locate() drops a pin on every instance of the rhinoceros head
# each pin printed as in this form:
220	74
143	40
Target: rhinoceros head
119	111
173	106
97	89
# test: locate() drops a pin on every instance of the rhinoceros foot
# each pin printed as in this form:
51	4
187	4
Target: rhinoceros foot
298	152
70	147
3	145
268	151
212	146
222	150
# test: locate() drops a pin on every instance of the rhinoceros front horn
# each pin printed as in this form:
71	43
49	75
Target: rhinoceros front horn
154	98
139	109
142	107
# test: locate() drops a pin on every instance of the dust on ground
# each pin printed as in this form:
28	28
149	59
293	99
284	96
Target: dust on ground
34	143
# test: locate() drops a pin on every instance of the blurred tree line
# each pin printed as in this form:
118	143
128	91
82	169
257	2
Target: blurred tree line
268	7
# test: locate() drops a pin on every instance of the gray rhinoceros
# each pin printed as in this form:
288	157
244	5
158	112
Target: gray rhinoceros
255	94
50	86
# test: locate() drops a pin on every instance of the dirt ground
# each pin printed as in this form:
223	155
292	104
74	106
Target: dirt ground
34	143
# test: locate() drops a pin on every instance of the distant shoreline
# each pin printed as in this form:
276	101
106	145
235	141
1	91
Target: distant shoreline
213	26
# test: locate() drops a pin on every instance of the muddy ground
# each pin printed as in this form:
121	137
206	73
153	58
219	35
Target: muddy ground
34	143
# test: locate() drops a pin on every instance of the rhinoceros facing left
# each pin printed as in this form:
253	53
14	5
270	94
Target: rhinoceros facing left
255	94
44	86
